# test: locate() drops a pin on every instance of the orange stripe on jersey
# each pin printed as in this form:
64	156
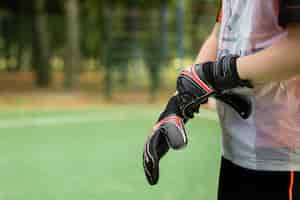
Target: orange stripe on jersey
291	186
219	16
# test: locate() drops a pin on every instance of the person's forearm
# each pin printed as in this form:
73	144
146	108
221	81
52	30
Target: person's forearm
208	51
278	62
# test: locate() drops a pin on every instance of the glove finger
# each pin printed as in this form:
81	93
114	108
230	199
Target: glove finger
189	114
175	132
189	110
155	148
196	108
241	104
169	132
151	167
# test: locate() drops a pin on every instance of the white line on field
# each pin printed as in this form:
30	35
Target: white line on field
57	120
73	119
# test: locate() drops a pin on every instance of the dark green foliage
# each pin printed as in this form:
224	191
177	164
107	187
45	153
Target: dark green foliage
72	49
40	47
117	34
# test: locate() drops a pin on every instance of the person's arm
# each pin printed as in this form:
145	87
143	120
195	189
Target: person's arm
169	131
278	62
208	51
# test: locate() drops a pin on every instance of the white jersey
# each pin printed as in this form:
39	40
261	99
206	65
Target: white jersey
270	138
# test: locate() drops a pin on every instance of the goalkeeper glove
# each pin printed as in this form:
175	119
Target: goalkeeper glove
169	132
197	83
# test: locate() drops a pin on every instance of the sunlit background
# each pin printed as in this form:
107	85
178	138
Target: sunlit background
82	83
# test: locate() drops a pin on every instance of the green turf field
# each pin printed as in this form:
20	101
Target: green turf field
96	153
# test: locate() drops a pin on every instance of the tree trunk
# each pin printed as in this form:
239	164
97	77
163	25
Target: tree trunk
72	62
131	48
156	61
107	14
180	28
41	45
196	14
199	12
21	39
163	31
7	33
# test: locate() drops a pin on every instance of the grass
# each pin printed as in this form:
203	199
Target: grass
96	154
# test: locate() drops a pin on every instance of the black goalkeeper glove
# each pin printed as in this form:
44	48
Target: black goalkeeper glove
197	83
169	132
194	86
222	75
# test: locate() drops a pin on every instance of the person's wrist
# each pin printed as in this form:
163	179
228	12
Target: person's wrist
223	74
242	74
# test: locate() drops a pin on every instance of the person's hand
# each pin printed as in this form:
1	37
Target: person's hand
194	86
169	132
197	83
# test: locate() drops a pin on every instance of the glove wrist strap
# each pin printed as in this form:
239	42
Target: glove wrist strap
235	75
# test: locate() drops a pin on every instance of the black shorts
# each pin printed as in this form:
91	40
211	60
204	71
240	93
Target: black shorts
237	183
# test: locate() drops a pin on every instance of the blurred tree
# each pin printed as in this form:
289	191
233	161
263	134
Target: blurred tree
130	40
156	46
116	33
106	52
7	22
41	49
164	30
202	16
91	23
24	23
72	56
180	28
196	13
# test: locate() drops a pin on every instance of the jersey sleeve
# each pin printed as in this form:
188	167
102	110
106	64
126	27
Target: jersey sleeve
289	11
219	15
